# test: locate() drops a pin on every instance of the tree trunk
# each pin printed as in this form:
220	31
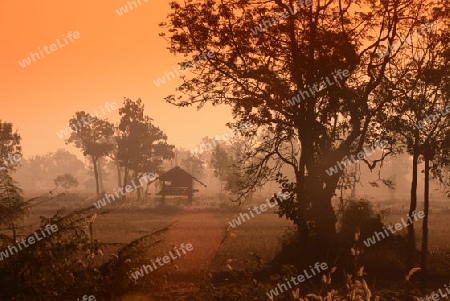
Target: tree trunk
138	190
146	190
353	195
119	174
94	162
100	175
301	190
424	251
323	215
125	179
14	231
327	221
413	205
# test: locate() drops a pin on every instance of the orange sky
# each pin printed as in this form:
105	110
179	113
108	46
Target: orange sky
114	57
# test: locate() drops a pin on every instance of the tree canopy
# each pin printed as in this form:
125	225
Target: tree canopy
257	75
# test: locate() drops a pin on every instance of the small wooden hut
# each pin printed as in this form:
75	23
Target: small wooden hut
177	181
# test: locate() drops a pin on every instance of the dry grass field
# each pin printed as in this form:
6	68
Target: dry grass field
217	247
439	239
205	231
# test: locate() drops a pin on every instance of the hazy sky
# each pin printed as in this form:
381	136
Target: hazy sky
114	57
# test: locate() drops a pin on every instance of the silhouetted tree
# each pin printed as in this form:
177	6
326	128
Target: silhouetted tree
66	181
220	162
260	75
92	137
10	149
142	147
417	81
236	173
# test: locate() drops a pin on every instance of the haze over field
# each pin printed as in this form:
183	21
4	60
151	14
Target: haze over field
225	150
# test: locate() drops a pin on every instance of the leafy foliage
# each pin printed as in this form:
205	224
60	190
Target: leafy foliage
220	162
94	138
12	206
257	74
66	180
9	145
142	146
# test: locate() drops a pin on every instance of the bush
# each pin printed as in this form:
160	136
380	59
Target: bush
359	219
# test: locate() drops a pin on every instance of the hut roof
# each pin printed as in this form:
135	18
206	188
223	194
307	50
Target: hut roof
177	173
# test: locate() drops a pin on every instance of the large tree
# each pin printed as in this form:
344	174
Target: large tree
261	76
93	138
142	146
